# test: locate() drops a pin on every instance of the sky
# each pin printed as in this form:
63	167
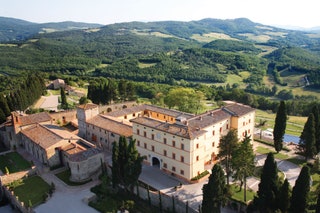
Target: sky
300	13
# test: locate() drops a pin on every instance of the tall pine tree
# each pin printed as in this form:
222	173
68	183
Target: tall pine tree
215	192
280	126
307	138
300	192
227	146
243	163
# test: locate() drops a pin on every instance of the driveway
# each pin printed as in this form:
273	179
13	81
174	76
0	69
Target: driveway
67	199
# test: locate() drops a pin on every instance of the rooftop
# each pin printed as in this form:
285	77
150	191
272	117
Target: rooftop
34	118
111	125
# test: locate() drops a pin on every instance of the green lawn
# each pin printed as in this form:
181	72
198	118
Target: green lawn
264	150
65	177
239	195
14	162
33	188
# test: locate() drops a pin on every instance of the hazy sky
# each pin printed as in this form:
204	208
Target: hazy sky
303	13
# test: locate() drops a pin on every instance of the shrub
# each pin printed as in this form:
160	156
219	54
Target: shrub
200	175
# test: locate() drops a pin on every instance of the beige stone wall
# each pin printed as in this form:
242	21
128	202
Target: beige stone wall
84	170
101	137
244	123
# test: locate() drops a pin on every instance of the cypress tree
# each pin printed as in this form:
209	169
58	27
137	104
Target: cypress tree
215	192
300	192
269	186
318	204
4	105
307	138
2	116
315	112
64	103
115	164
133	166
284	196
280	126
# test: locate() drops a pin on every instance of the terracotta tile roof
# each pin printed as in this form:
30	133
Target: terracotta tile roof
170	112
87	106
141	108
174	129
48	135
208	119
42	136
238	109
111	125
194	126
35	118
84	155
126	111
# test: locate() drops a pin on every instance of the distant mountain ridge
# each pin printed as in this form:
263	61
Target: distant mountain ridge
12	29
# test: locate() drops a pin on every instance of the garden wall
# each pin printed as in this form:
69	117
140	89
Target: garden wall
167	202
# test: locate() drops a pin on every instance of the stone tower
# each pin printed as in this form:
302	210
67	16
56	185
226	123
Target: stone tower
84	113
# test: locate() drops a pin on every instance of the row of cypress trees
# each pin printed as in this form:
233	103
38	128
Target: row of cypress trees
22	96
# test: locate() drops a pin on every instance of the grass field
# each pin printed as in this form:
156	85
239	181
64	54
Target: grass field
14	162
295	124
208	37
32	190
239	195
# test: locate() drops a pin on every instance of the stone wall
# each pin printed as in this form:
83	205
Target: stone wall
14	200
167	202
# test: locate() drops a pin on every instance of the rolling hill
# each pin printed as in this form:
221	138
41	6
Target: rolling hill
210	51
16	30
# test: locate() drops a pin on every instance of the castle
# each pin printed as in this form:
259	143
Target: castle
178	143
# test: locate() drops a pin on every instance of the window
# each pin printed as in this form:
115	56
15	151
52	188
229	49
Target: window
138	142
145	145
249	131
197	146
173	168
138	132
181	172
152	136
182	159
173	143
112	135
249	120
212	144
173	155
164	140
165	165
165	152
152	148
244	123
125	117
145	134
171	119
227	126
220	129
197	158
134	115
182	146
213	132
157	115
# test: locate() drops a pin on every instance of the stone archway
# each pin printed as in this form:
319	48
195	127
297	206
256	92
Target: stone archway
155	162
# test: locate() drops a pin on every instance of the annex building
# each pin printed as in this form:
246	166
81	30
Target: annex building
179	143
52	145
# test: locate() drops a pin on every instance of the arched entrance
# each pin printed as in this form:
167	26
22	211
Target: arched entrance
155	162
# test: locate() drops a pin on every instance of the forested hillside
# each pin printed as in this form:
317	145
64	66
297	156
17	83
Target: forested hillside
256	63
